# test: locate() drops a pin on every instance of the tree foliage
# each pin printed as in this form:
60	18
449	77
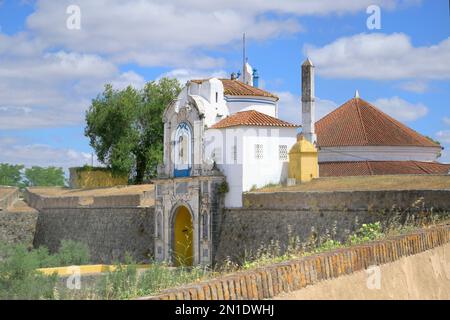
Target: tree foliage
11	175
125	127
45	177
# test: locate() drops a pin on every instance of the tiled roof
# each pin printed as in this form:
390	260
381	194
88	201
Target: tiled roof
358	123
368	168
238	88
251	118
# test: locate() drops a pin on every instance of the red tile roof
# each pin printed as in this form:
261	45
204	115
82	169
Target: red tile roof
368	168
358	123
251	118
238	88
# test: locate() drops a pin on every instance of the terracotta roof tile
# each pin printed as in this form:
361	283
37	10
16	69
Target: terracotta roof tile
367	168
238	88
251	118
358	123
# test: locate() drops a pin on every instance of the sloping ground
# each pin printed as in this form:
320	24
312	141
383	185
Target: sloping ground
422	276
8	196
370	183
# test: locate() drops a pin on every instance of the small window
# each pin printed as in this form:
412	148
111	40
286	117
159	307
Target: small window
282	151
259	152
217	97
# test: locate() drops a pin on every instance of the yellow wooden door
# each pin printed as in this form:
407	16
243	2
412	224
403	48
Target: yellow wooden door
183	242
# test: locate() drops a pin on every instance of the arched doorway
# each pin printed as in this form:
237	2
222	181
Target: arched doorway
183	244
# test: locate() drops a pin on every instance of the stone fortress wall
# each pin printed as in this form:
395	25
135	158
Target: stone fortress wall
278	217
114	225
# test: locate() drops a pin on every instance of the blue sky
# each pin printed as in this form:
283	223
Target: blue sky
49	73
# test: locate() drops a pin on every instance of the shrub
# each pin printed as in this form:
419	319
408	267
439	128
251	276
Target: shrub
120	283
73	253
18	276
368	232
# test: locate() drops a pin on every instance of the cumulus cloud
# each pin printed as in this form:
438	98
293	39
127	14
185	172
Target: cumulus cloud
50	89
15	151
446	120
183	75
379	56
177	33
400	109
290	107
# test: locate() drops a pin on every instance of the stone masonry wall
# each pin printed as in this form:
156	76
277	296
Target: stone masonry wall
279	217
17	227
270	281
109	232
347	200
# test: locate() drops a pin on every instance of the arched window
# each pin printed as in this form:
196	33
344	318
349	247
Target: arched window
205	226
183	150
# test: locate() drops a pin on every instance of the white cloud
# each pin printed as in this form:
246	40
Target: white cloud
14	151
49	74
50	89
443	136
400	109
290	107
183	75
415	86
381	56
446	120
176	33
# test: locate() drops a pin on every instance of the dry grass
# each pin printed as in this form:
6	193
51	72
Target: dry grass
114	191
370	183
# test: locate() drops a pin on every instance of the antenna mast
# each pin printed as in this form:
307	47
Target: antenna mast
243	57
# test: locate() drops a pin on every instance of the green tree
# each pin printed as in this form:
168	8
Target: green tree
11	175
45	177
125	127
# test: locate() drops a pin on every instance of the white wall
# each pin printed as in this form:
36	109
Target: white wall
242	103
206	91
270	169
246	171
378	153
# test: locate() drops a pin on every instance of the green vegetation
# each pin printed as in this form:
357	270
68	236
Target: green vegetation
11	175
91	168
125	282
223	188
44	177
368	232
16	176
19	278
125	127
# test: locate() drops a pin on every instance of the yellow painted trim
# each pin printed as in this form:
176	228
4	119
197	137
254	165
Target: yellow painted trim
86	269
